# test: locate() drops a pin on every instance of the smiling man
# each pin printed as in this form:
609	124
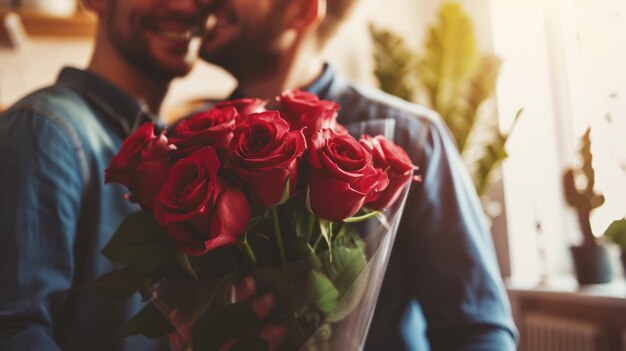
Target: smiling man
442	289
56	214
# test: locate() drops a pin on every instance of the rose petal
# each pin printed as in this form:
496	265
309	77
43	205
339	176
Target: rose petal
230	219
332	199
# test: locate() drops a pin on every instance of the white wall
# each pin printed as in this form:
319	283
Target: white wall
37	64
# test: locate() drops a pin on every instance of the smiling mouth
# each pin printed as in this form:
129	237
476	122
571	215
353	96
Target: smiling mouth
175	30
179	35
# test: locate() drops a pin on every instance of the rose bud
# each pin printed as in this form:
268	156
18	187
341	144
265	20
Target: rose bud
200	210
210	128
142	164
302	109
266	156
244	107
342	175
392	160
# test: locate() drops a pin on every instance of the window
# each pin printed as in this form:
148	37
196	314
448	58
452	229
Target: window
564	65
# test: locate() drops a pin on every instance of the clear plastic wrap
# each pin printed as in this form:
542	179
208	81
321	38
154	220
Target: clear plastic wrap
343	326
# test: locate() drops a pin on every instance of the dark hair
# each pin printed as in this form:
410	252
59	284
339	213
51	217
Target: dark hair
336	12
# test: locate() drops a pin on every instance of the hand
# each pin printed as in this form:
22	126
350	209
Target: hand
272	334
241	325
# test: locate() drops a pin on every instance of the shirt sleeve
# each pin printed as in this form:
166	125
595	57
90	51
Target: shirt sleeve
40	195
452	268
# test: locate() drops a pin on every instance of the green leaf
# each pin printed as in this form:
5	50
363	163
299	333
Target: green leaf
395	64
449	59
452	77
346	266
326	231
286	194
149	322
304	224
115	285
488	155
139	238
356	219
321	292
477	89
616	232
351	299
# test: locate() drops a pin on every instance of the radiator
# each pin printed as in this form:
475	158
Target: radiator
548	333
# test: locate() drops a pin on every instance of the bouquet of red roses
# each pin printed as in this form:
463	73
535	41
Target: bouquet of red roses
265	225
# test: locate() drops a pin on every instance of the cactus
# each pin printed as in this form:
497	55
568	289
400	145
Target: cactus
586	199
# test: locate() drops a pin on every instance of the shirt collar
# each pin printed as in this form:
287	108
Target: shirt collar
322	85
116	105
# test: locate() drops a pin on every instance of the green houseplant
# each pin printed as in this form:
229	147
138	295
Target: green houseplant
591	258
451	76
616	232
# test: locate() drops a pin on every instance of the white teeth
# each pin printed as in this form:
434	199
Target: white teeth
210	23
177	35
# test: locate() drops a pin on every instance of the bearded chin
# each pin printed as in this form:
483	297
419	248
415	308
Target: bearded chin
136	53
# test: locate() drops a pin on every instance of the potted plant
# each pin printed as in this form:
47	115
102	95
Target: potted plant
616	232
591	258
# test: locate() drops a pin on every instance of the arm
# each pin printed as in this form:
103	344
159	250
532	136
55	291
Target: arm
40	192
455	274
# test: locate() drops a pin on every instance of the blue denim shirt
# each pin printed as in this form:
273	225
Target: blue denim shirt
56	214
442	289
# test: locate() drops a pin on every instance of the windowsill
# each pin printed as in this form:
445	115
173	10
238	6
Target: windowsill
567	289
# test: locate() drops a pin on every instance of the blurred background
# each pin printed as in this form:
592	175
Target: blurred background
529	88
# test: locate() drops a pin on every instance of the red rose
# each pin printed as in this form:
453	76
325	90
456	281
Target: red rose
395	162
244	107
266	156
302	109
142	164
210	128
198	209
342	175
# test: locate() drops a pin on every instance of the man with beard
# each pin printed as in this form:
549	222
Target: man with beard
56	214
442	286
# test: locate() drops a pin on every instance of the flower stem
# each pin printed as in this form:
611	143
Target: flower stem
317	242
279	236
248	250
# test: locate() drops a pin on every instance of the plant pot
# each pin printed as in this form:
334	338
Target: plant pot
592	263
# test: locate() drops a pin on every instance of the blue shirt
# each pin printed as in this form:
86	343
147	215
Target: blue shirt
56	214
442	289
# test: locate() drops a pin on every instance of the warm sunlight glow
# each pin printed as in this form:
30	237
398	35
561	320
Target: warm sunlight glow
564	64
